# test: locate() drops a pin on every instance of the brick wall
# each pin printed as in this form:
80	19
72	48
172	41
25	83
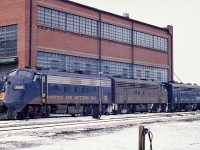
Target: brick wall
13	12
46	39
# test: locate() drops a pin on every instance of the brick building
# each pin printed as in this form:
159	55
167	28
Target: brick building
64	35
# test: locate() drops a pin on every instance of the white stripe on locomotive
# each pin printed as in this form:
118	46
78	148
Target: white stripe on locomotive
78	81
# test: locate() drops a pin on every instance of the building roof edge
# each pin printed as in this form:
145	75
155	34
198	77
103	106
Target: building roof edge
95	9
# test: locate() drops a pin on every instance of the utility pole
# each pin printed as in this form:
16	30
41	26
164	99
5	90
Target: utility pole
100	95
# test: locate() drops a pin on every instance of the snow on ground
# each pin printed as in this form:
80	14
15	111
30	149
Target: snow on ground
173	135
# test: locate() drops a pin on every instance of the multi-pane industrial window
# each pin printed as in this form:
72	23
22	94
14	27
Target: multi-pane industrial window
127	36
50	60
8	41
153	73
109	68
73	23
115	33
65	21
88	65
150	41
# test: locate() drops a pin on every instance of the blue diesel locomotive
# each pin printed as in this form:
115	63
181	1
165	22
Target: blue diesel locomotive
36	93
183	96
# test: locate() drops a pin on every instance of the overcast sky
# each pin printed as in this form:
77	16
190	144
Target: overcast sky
183	15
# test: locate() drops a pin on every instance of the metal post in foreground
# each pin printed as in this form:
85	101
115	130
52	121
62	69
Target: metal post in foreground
100	96
142	132
141	145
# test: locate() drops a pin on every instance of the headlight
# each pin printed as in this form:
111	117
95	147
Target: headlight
4	79
2	96
18	87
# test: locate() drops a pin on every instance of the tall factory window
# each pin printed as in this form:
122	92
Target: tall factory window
106	70
40	18
139	73
55	19
112	29
94	28
147	72
115	33
119	34
8	41
159	76
134	38
87	65
88	26
127	36
50	60
65	21
160	43
70	22
47	17
82	25
117	68
105	31
88	68
76	66
150	41
76	24
62	21
124	72
143	39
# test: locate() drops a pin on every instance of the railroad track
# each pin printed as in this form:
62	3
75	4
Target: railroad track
77	123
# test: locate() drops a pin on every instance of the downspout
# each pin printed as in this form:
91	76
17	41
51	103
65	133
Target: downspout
132	44
171	54
99	34
30	35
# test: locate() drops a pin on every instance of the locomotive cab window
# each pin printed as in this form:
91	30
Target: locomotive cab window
24	73
12	73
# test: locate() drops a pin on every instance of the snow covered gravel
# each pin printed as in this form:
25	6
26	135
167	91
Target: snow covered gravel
178	133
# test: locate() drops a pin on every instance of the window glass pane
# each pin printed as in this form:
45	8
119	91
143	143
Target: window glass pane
94	28
40	15
8	41
47	17
62	21
76	24
82	25
119	34
70	22
55	19
88	26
